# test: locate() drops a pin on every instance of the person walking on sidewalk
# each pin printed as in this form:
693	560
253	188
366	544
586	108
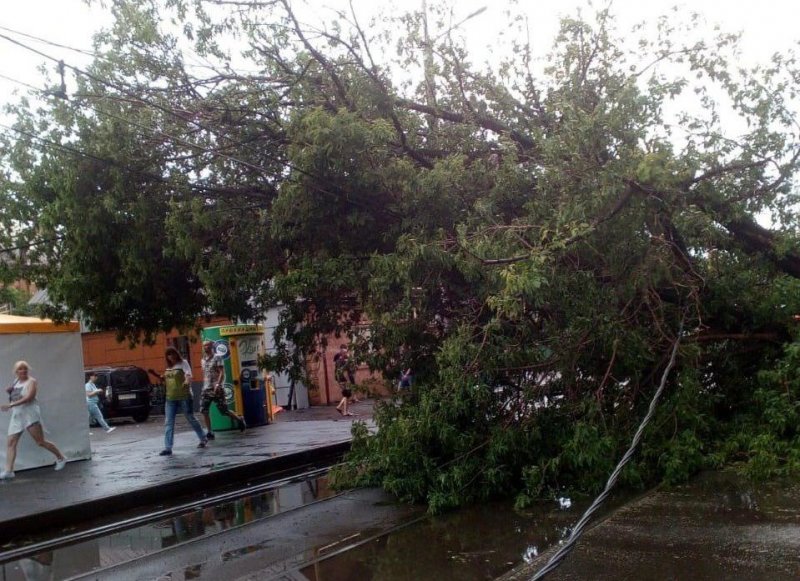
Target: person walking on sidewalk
344	377
176	379
93	403
25	415
213	380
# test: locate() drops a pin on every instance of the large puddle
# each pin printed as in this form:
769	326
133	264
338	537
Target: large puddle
475	543
367	539
718	526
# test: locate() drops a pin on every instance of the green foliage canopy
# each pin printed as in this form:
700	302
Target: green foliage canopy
528	241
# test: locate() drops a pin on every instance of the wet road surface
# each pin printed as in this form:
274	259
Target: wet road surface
125	466
302	530
718	526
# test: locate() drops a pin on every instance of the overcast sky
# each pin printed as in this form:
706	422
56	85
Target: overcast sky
767	25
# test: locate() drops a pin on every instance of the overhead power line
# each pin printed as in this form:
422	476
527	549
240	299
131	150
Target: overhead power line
50	42
177	186
261	153
30	244
579	527
23	83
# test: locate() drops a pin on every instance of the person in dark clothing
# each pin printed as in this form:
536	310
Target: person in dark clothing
344	377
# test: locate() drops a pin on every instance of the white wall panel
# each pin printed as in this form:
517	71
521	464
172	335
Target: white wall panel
56	361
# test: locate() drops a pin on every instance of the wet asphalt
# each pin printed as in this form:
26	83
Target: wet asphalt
275	548
126	462
718	526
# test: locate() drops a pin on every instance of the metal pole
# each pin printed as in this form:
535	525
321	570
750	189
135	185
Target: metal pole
325	374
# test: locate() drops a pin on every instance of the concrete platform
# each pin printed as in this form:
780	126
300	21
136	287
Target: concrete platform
126	471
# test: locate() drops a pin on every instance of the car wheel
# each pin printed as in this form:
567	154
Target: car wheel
141	417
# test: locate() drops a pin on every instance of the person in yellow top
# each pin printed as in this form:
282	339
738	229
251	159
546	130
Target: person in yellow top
177	379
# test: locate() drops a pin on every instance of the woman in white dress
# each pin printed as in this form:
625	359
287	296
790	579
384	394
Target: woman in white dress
25	415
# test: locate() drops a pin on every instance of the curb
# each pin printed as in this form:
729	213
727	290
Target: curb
76	514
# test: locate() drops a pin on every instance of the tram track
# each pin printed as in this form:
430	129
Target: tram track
56	542
129	498
270	547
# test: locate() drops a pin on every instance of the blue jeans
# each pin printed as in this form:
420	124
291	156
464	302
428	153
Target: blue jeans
97	415
170	411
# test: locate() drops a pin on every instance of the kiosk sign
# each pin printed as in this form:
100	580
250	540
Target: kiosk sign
229	330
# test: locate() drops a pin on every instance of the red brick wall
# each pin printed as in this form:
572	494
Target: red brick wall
24	285
325	390
102	349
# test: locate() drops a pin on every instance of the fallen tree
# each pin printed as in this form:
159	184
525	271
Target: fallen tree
528	242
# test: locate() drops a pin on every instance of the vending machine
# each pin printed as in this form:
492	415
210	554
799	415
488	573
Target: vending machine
247	391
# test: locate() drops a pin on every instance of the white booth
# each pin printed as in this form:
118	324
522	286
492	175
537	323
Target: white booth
55	356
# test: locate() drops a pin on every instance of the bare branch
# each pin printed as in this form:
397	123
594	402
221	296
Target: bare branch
329	68
483	121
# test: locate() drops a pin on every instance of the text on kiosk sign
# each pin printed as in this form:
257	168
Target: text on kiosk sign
239	330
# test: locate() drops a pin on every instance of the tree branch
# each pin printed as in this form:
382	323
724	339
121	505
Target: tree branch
318	56
483	121
710	337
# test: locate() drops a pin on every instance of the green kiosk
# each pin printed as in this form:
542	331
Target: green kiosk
245	389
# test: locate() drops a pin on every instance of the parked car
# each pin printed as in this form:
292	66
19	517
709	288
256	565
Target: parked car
126	391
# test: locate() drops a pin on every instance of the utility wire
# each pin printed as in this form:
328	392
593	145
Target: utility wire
152	130
24	84
30	244
192	188
188	188
69	149
577	531
171	112
124	90
50	42
88	52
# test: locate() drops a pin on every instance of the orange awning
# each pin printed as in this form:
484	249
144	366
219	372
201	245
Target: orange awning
15	325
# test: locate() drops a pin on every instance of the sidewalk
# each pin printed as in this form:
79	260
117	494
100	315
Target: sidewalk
126	471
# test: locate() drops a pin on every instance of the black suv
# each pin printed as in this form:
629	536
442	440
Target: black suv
127	391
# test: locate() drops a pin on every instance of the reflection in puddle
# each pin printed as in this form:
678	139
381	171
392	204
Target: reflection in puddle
119	547
38	567
473	544
530	554
241	552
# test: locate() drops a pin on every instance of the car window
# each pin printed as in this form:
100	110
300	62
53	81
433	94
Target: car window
122	378
129	378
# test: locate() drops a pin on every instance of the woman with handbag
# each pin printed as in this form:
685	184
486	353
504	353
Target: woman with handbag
25	415
177	378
